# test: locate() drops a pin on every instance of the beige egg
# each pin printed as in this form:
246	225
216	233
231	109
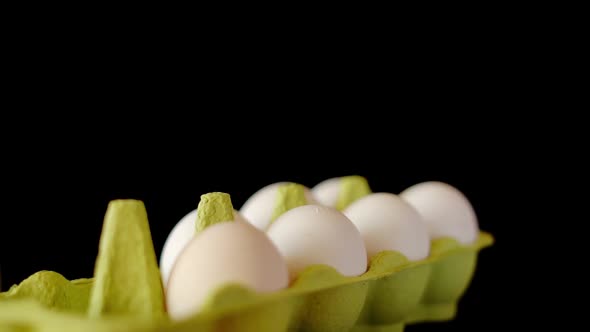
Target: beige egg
224	253
259	208
387	222
178	238
446	211
314	234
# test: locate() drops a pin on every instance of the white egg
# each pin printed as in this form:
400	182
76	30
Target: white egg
341	191
313	234
224	253
446	211
327	191
259	208
386	222
178	238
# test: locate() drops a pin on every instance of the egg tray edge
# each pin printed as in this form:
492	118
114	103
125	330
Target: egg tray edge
393	292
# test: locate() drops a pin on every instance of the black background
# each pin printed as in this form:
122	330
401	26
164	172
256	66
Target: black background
90	116
56	192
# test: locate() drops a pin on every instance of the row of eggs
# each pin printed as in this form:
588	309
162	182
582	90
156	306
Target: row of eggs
266	254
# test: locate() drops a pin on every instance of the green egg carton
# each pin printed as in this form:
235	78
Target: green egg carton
391	294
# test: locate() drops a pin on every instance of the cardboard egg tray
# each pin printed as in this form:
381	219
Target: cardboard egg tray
391	294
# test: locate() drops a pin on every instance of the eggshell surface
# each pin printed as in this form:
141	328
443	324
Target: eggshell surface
178	238
313	234
259	208
446	211
224	253
326	192
386	222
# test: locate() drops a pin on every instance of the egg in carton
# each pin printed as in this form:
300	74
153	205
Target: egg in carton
378	275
